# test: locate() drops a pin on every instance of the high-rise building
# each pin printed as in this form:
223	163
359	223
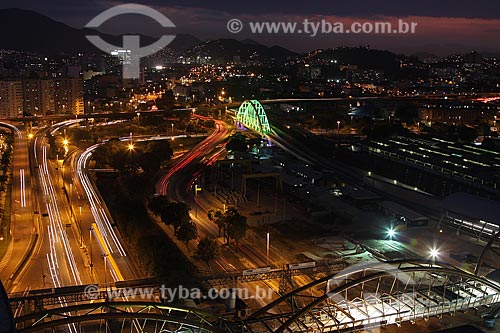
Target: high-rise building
39	96
11	98
69	95
49	96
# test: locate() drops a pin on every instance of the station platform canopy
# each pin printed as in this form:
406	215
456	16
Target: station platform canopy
469	207
494	275
412	217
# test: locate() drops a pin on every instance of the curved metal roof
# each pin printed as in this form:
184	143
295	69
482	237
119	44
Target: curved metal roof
472	207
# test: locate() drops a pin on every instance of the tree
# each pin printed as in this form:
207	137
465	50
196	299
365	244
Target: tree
208	250
187	231
116	154
5	160
52	143
191	128
157	204
80	134
155	154
161	149
231	222
467	134
176	214
236	227
105	153
237	143
407	113
217	216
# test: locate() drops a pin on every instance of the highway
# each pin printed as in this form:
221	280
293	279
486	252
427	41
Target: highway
100	238
179	183
176	184
56	260
60	257
23	229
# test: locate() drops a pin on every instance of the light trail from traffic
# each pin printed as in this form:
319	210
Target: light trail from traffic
115	271
108	239
101	219
101	228
56	226
23	188
198	155
57	235
198	151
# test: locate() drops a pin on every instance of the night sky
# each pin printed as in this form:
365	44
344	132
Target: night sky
443	26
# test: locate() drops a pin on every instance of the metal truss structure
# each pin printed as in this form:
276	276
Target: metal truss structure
369	296
121	317
360	297
252	115
487	248
278	273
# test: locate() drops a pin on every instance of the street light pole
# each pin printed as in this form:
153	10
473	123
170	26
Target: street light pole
338	132
71	198
267	249
196	189
80	227
105	256
90	242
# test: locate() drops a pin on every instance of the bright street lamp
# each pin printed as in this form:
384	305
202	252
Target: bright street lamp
65	142
434	253
391	233
130	145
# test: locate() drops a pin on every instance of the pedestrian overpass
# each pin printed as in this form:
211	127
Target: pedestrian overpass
252	115
368	296
358	298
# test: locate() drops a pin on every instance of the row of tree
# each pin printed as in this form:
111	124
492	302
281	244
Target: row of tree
175	214
5	161
147	158
231	223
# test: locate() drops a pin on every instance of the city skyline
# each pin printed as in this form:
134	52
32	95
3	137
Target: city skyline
443	28
214	182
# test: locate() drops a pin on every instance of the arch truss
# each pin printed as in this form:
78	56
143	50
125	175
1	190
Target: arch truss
120	317
373	295
252	115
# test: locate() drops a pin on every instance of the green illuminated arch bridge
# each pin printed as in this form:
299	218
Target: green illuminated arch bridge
251	114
